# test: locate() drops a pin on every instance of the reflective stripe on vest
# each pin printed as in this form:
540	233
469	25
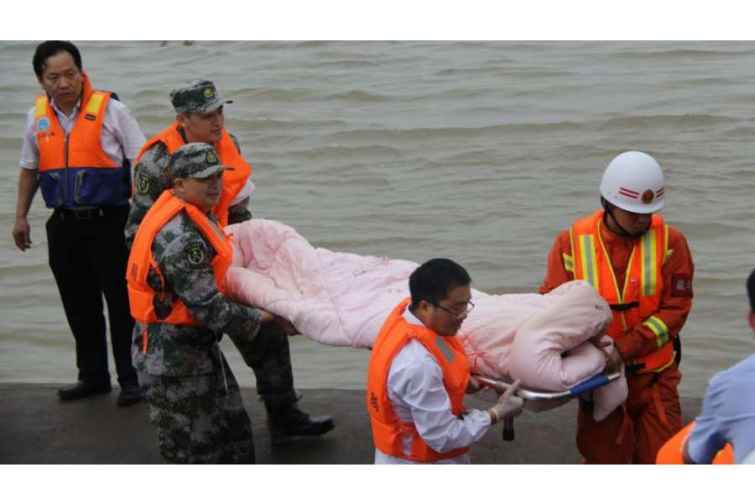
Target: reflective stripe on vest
234	178
141	261
640	296
388	431
74	169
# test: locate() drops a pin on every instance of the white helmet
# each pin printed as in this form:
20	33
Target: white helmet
633	181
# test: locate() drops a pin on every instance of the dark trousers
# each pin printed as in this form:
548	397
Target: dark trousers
88	256
269	357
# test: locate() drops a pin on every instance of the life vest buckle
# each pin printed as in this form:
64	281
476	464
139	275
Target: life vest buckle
633	368
622	307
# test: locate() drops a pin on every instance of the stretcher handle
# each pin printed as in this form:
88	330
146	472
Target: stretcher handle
588	385
508	429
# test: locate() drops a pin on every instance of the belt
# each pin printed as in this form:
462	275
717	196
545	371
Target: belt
82	214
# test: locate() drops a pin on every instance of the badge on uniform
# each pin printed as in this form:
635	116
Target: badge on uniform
43	124
195	254
681	285
142	183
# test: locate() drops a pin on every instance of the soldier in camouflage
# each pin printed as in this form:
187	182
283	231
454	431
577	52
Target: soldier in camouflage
194	398
199	118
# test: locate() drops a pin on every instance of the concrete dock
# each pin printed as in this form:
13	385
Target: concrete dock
36	428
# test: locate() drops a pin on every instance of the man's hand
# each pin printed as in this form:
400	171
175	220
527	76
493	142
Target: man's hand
613	357
286	325
614	361
509	405
474	385
265	316
22	233
601	340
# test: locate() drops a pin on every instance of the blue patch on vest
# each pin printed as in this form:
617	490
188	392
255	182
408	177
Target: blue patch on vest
43	124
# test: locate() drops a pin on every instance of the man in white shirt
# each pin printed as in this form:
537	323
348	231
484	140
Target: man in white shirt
418	375
728	414
78	147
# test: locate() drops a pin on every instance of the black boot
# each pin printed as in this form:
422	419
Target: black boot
130	394
82	389
288	423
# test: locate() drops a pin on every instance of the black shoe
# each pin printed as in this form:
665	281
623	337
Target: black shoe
82	389
130	394
294	424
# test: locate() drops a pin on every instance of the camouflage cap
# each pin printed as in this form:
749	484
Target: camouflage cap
194	160
197	96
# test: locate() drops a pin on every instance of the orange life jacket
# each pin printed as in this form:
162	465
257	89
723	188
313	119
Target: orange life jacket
140	294
234	178
640	296
388	431
671	452
74	170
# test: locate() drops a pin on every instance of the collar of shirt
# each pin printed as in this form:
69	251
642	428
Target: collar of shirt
66	121
411	318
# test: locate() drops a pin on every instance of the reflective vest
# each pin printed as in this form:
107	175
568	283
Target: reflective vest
74	170
640	297
671	451
234	178
141	261
388	431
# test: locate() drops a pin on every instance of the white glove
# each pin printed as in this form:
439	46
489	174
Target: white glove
509	405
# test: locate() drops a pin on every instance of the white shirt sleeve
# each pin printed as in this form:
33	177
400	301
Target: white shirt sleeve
123	126
416	390
244	193
29	150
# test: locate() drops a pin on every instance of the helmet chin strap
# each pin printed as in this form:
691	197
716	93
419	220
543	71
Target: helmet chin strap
608	208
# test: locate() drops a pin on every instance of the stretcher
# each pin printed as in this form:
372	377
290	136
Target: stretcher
538	400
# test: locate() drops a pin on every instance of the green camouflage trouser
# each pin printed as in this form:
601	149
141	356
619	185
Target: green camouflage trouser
201	419
270	358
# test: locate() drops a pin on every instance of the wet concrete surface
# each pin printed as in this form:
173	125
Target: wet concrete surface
37	428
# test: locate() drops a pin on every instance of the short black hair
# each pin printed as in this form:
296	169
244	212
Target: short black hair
51	48
434	279
751	290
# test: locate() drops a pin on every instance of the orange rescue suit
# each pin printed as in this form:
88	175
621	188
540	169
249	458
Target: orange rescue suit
74	170
234	178
644	327
141	261
388	431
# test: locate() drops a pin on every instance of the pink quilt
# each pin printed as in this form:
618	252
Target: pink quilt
342	299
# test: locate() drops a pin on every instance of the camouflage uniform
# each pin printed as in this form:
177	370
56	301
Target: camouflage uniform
151	172
151	179
194	398
268	355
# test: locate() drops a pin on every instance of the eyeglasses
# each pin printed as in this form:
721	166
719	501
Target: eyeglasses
456	313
